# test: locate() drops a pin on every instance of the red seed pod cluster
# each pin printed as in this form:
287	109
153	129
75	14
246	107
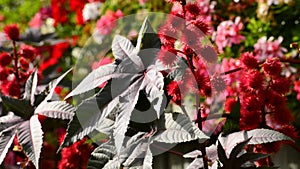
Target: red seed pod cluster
15	69
262	91
12	32
188	25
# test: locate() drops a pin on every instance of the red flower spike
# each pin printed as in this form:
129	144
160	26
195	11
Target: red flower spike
282	116
275	101
250	119
11	88
192	11
24	63
174	92
280	85
289	130
76	155
167	56
272	67
218	83
3	74
28	52
249	60
251	80
5	59
208	53
201	25
12	32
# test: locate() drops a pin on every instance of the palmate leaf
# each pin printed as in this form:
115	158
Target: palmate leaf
127	79
258	136
30	136
234	161
121	47
6	139
55	109
95	79
178	128
87	119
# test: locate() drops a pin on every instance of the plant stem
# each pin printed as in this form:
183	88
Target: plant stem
16	69
199	118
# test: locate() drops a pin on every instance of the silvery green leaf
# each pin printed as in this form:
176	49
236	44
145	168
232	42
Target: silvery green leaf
55	109
178	129
30	136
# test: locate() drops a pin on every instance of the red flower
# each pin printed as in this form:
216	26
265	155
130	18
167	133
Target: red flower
280	85
77	6
289	130
75	156
24	63
230	102
5	59
192	11
108	21
167	56
59	12
28	52
202	25
174	92
297	88
251	80
3	74
249	60
12	32
208	53
272	67
56	53
218	83
282	116
11	88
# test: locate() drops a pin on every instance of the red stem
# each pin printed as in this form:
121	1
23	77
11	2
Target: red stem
16	69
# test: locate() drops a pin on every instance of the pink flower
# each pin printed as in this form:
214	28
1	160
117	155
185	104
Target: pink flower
228	33
108	21
142	2
269	48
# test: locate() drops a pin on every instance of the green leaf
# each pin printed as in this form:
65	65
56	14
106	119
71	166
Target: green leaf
233	120
30	87
178	128
20	107
30	136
